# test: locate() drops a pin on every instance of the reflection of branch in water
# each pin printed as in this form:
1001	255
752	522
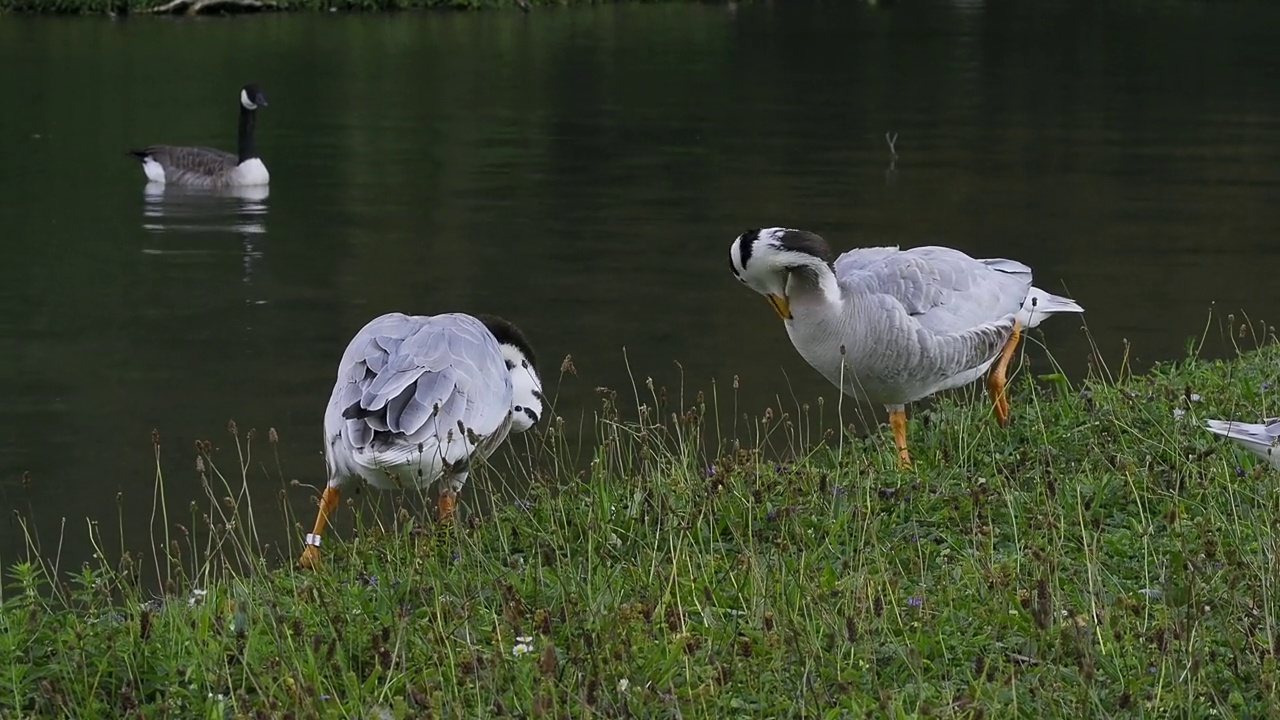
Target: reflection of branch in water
891	174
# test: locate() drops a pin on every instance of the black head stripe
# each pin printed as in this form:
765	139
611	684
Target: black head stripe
507	333
803	241
747	245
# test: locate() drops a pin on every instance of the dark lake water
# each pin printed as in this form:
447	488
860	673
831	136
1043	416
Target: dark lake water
583	173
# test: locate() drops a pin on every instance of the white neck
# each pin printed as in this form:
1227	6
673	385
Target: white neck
816	282
526	389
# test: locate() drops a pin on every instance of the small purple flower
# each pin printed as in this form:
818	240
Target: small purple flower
837	490
457	556
777	468
524	503
1266	385
1239	471
915	601
710	471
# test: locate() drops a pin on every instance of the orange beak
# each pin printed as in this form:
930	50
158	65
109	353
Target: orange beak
780	306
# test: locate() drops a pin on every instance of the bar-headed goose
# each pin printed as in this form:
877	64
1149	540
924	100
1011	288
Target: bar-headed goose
205	167
895	326
1261	439
418	398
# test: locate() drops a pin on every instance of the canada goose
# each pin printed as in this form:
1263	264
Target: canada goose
204	167
895	325
418	398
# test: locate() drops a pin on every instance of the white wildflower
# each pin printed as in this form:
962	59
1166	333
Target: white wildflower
623	684
524	644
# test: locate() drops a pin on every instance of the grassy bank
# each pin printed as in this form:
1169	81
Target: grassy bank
118	7
1102	556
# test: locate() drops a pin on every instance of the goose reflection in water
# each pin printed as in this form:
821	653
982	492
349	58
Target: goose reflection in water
207	209
190	217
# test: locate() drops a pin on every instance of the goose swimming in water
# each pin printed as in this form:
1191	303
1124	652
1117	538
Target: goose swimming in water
895	326
418	398
204	167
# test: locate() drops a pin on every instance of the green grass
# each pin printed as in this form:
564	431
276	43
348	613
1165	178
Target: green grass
1102	556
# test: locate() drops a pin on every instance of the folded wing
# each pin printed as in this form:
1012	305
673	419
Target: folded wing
418	386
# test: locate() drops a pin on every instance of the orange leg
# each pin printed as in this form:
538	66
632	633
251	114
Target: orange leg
898	421
448	500
311	553
996	378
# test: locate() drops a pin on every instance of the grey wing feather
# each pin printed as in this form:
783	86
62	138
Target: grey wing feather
1005	265
1261	439
177	160
419	377
862	259
945	290
1270	430
414	406
1266	432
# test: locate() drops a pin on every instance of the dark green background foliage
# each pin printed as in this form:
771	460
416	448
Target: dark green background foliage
133	6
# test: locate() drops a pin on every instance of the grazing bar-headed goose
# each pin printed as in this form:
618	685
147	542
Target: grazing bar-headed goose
895	326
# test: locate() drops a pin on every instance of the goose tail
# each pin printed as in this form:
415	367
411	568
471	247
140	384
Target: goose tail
153	168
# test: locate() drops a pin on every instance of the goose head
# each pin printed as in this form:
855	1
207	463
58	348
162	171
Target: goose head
522	363
251	98
768	259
